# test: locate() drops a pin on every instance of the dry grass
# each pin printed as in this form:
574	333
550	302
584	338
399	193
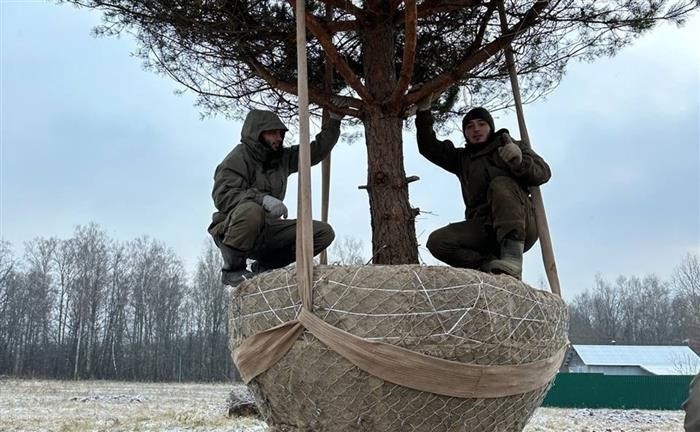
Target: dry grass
69	406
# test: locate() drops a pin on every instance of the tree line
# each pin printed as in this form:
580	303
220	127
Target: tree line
91	307
640	310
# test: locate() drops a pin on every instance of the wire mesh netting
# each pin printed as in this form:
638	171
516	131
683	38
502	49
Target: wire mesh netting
453	314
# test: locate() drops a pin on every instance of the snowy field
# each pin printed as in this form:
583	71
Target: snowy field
32	405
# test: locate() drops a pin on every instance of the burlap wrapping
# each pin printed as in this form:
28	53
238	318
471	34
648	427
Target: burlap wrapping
458	315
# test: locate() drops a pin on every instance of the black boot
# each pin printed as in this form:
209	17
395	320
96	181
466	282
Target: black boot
235	277
234	270
511	261
257	267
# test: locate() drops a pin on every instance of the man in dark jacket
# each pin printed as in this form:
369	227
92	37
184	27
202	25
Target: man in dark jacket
249	187
495	174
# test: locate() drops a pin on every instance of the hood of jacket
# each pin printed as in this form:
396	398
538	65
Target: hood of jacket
255	123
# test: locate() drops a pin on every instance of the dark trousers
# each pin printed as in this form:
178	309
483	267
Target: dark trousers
271	242
692	407
471	243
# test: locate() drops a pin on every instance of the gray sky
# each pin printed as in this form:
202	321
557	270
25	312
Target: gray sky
87	135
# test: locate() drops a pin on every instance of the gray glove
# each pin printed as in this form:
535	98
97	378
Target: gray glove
274	207
511	153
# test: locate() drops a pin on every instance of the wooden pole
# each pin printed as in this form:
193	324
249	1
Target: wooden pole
325	194
326	163
304	240
550	265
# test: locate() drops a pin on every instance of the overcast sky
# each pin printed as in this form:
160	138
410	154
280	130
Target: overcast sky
87	135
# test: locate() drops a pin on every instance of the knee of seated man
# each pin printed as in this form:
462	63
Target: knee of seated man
250	211
324	232
435	243
246	219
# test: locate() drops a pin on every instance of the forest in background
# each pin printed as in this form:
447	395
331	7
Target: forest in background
92	307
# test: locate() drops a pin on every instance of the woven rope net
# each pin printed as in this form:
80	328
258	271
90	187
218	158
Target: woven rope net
454	314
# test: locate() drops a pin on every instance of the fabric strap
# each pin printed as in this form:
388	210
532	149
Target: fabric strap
396	364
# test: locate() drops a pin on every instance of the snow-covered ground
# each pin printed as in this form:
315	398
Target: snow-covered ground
69	406
604	420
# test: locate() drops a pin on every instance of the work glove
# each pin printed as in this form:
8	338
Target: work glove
340	103
510	153
425	103
274	207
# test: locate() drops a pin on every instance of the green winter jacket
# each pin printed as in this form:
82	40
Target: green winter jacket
252	170
476	166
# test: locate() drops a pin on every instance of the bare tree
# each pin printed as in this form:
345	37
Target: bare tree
686	282
212	318
607	311
657	315
157	281
39	255
165	301
581	329
7	264
115	325
347	251
90	250
64	262
7	268
686	364
16	324
11	308
630	300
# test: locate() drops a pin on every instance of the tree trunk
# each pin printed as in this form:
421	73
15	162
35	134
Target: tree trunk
393	220
77	348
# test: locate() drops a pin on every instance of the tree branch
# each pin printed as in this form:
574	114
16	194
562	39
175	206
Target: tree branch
338	62
430	7
345	5
409	54
319	98
482	28
446	79
340	26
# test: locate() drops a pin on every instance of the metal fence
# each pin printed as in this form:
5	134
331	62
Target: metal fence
592	390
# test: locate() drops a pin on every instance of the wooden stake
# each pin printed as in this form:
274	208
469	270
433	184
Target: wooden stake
304	241
326	163
325	194
550	265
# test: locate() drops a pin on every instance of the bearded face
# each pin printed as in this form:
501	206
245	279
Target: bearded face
477	131
273	139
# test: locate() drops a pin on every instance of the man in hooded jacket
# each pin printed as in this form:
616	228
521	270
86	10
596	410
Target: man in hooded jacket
249	189
494	173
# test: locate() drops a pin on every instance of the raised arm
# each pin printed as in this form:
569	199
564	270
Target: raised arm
319	147
441	153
